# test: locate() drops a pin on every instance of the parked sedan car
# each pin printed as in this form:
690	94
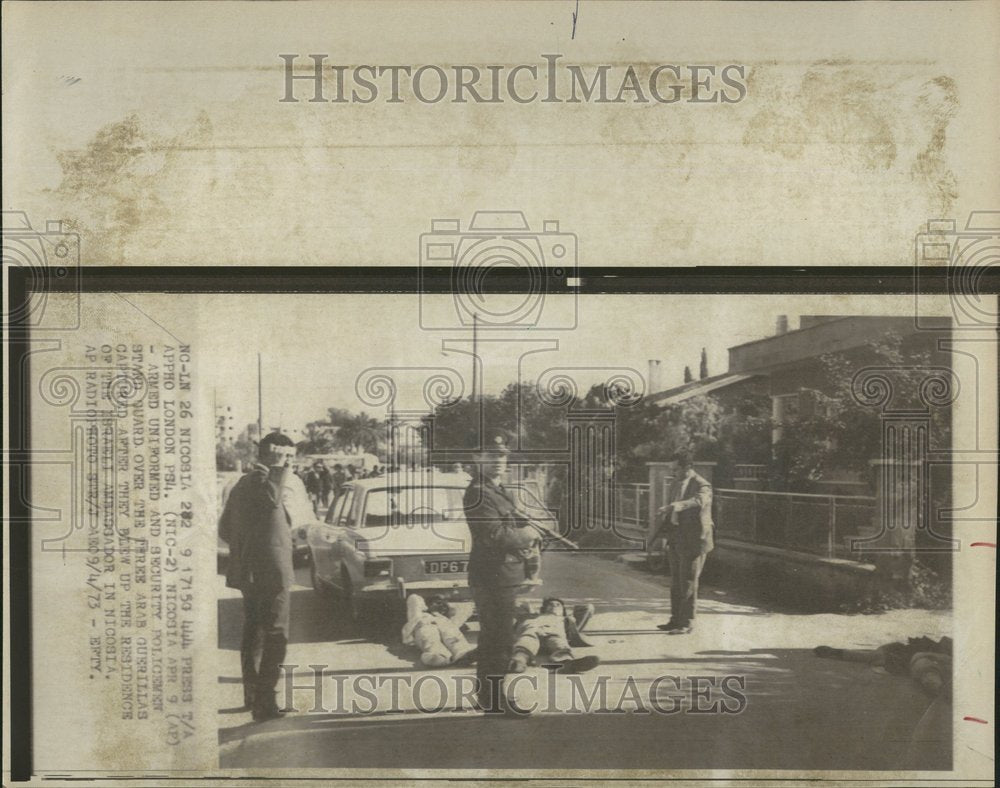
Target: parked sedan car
386	537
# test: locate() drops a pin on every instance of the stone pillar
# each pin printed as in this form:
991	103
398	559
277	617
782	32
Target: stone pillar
660	475
705	470
777	419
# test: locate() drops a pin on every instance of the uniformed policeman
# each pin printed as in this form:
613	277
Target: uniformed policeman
504	561
255	524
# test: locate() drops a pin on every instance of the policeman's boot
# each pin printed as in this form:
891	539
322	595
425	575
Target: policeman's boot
265	708
518	662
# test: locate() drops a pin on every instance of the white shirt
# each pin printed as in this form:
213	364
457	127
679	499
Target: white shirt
673	512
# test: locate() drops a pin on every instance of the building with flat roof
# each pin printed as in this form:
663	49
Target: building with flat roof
789	368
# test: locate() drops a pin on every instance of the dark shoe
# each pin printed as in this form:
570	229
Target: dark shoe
680	629
582	615
265	708
669	626
511	711
506	709
267	713
578	665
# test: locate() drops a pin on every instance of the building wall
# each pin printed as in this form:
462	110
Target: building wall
824	337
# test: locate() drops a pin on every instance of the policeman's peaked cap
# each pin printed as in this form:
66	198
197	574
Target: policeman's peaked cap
497	447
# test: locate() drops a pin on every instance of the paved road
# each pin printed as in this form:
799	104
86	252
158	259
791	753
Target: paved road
799	712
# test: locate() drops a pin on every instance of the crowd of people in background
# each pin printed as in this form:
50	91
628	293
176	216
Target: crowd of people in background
323	484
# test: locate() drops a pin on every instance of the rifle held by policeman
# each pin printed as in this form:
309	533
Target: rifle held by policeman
546	533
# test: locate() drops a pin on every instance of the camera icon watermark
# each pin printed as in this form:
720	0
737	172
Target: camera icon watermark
965	256
34	261
499	274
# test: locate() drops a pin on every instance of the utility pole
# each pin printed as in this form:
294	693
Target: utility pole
475	323
260	403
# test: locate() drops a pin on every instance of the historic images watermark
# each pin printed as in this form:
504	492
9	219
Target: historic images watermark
536	262
965	255
312	80
43	256
914	396
322	690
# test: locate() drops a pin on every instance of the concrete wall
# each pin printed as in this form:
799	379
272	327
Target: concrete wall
772	573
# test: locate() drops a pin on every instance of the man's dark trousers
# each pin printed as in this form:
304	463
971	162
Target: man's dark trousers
265	640
690	541
496	607
685	569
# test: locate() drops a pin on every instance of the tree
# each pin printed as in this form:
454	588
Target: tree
726	427
338	417
835	431
518	414
343	431
225	457
239	454
720	428
688	377
703	369
318	438
360	433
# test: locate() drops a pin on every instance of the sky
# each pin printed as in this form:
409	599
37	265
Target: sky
323	351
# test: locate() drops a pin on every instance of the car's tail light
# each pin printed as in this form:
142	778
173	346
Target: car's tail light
378	567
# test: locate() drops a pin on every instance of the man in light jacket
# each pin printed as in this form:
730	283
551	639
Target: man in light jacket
687	522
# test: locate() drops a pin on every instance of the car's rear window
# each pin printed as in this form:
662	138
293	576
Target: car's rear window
413	506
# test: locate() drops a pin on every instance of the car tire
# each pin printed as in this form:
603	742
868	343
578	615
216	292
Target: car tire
367	615
353	607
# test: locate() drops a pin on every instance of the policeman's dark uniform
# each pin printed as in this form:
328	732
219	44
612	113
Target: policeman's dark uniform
503	562
255	523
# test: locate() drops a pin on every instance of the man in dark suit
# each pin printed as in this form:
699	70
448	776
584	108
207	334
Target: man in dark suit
503	562
687	521
255	523
325	483
339	478
313	483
